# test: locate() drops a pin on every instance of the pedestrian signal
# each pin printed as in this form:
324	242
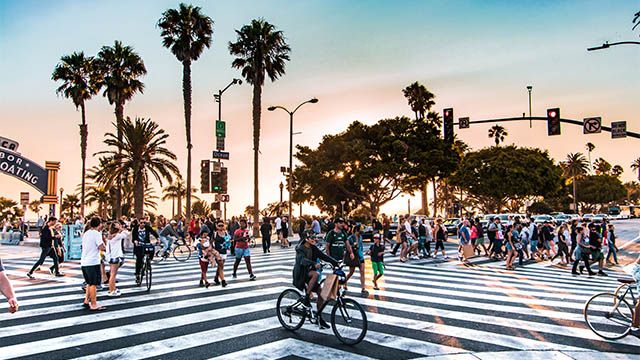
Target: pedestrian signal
205	170
553	121
448	125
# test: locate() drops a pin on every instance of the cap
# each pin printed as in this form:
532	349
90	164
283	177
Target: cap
172	222
376	235
338	220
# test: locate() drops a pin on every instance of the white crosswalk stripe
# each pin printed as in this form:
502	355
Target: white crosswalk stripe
423	308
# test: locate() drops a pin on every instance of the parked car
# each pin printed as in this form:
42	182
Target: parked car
561	218
367	233
451	225
540	219
598	219
587	217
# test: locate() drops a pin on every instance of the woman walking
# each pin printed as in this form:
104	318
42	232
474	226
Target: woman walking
355	257
221	240
440	234
583	251
510	246
115	254
563	249
611	242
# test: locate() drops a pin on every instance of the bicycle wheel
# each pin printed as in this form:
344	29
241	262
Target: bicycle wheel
607	316
349	321
291	312
182	252
147	275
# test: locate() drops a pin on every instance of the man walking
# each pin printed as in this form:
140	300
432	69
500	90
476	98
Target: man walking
241	239
92	244
46	246
265	232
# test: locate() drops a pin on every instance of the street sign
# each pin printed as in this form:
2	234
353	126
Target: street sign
217	166
9	144
284	169
217	198
24	198
221	155
224	198
220	129
218	214
618	129
592	125
219	143
463	123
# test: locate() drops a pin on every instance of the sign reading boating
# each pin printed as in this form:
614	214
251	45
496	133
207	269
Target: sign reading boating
592	125
8	144
24	169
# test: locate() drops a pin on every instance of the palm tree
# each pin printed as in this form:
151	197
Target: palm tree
36	207
140	152
70	202
79	83
636	166
590	147
498	133
617	170
120	68
601	166
101	196
201	208
186	31
574	167
419	98
178	191
260	50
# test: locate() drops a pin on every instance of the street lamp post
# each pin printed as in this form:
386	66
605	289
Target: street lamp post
218	96
529	88
291	113
281	187
61	193
342	206
408	206
607	45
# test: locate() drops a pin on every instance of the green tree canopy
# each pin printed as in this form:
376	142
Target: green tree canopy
600	189
496	175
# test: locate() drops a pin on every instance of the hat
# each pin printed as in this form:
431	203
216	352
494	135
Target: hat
172	222
376	236
338	220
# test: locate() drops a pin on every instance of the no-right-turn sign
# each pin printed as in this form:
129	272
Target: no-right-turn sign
592	125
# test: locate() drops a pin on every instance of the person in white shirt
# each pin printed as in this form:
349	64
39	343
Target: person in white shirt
7	290
278	222
115	254
90	262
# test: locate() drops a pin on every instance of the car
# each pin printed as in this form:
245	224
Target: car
367	233
541	219
599	218
451	225
587	217
485	221
561	218
393	230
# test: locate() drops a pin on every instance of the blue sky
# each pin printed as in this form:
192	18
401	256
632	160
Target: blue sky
476	56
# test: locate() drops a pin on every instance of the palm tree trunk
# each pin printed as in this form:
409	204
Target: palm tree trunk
575	200
257	101
435	206
83	153
138	196
180	206
173	208
119	120
186	93
425	199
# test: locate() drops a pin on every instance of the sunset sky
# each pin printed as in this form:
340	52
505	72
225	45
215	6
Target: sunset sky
354	56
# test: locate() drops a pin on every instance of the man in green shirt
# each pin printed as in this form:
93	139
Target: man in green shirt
336	240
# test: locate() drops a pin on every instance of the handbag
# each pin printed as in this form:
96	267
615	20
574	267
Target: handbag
330	288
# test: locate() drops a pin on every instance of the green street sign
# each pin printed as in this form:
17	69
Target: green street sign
220	129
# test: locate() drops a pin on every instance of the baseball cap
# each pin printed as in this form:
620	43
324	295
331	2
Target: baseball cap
338	220
376	235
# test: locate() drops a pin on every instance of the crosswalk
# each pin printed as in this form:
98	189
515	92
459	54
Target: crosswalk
424	308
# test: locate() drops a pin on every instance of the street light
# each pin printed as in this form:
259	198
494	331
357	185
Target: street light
281	187
218	96
61	192
342	205
607	45
291	113
529	88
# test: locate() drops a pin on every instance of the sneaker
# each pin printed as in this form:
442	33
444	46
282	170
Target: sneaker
30	276
602	273
364	293
224	283
234	275
252	277
575	273
433	256
635	332
59	275
446	258
581	268
114	293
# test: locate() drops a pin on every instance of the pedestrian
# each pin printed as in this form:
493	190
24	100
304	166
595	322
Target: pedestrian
386	227
203	246
315	226
7	290
583	251
241	239
424	247
564	241
510	247
524	240
573	234
440	234
595	240
534	237
47	249
265	233
221	243
376	251
141	236
302	226
355	257
517	241
611	242
115	254
495	233
464	238
285	231
92	244
58	246
336	239
278	223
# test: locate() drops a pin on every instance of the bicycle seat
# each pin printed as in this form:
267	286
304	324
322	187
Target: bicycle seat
626	281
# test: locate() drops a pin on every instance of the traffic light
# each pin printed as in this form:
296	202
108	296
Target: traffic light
448	125
205	170
216	183
224	180
553	121
215	205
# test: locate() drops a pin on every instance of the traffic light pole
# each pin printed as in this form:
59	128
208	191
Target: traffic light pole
567	121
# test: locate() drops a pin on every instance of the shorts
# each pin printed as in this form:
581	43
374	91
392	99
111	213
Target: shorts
91	274
439	245
118	260
378	267
279	232
596	255
480	241
534	245
508	246
240	253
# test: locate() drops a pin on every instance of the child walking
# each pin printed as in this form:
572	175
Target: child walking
377	260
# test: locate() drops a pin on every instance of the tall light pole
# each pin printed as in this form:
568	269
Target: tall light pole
281	186
529	88
291	113
61	193
218	96
409	206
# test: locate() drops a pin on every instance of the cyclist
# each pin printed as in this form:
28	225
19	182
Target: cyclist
635	324
140	234
305	272
167	236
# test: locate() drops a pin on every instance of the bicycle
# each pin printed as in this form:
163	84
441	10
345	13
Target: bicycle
180	250
145	272
610	315
348	318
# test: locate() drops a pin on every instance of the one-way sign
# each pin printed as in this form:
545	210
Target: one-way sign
221	155
592	125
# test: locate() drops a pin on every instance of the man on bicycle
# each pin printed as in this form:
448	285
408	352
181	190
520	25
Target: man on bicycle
305	271
140	234
167	236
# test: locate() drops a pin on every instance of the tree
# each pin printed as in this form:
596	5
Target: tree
260	50
201	208
36	207
9	209
141	152
178	191
600	189
186	31
633	191
590	147
636	166
493	176
80	81
602	167
101	196
120	68
70	203
574	167
617	170
419	98
498	133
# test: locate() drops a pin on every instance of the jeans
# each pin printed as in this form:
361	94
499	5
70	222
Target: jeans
166	241
612	251
421	246
585	258
48	251
266	242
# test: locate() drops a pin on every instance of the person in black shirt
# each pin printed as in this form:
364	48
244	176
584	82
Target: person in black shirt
140	234
47	249
377	260
265	232
595	240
